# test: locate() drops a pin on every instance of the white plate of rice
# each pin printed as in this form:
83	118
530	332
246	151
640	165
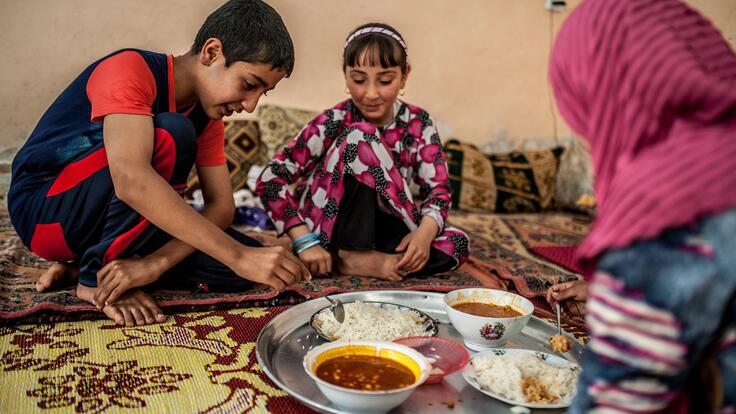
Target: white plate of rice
375	321
523	377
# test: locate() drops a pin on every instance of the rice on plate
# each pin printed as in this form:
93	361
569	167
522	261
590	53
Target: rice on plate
526	377
371	321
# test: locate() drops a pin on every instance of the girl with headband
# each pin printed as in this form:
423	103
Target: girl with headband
352	166
651	85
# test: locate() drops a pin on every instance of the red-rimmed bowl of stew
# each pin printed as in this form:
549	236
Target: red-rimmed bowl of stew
366	376
487	318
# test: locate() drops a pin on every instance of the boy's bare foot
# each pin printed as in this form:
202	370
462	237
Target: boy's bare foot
57	275
134	307
368	263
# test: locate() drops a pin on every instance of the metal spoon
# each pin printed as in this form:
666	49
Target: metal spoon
337	309
559	326
336	305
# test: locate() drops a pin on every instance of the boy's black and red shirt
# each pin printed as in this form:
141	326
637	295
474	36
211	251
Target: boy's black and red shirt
128	81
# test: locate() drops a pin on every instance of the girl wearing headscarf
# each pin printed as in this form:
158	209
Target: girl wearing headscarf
651	85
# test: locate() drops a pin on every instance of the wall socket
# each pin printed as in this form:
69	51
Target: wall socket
555	5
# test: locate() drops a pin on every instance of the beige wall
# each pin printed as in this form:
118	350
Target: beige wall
479	66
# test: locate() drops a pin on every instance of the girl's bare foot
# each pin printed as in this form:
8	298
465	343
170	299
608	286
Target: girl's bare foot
134	307
368	263
57	275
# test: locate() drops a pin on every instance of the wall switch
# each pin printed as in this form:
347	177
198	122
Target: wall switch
555	5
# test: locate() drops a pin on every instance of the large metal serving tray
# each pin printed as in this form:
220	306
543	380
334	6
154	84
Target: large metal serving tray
285	340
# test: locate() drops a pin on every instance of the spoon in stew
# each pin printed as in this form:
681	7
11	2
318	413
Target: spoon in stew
336	305
559	343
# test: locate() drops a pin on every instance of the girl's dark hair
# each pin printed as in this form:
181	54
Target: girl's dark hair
375	48
250	31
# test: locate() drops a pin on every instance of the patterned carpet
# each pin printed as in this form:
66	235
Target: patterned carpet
204	361
200	362
19	302
500	248
504	245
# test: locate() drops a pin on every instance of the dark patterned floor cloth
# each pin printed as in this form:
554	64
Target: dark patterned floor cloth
500	259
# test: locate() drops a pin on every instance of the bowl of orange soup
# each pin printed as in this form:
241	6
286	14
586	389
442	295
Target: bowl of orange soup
366	376
487	318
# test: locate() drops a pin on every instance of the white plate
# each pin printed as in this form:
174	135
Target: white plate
429	324
553	360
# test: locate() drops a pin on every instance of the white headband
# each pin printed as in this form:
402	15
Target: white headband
374	29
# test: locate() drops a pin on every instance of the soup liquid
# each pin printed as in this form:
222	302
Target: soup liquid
365	372
487	309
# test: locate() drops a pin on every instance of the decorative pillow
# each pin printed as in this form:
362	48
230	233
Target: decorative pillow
575	177
516	182
279	125
471	177
242	144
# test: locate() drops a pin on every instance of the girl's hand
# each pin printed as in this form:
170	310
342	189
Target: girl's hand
121	275
415	246
576	290
317	259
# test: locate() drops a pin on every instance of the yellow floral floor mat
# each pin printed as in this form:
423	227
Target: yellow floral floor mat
201	362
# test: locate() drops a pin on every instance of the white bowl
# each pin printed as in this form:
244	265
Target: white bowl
364	402
483	332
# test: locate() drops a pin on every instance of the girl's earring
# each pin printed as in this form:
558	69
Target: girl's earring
347	91
401	92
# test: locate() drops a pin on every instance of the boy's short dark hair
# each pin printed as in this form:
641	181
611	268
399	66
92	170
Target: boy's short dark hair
250	31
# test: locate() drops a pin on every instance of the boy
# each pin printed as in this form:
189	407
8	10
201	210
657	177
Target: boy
95	186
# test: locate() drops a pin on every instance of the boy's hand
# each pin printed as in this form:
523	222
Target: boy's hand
317	259
274	266
120	275
415	246
576	290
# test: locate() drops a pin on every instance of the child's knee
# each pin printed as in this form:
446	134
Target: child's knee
179	128
460	244
175	146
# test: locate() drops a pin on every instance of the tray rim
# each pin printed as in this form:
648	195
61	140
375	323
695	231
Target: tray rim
282	319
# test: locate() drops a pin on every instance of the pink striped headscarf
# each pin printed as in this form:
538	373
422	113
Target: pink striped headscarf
651	84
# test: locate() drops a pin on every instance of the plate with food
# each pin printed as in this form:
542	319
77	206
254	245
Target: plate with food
375	321
523	377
